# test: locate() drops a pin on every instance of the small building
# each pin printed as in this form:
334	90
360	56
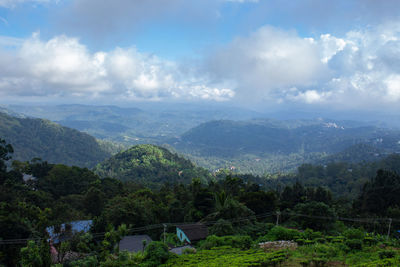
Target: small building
134	243
189	233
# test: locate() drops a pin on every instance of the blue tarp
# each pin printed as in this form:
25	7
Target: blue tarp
64	234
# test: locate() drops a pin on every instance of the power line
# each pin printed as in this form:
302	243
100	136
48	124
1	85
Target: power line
210	223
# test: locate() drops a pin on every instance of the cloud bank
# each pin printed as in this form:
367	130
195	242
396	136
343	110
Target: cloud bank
62	67
360	69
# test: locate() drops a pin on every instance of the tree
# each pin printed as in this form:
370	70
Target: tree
30	255
5	151
260	202
318	215
380	193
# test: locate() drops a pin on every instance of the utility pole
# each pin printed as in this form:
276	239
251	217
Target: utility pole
278	213
390	224
165	229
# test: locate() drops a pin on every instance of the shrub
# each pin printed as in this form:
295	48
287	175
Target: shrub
338	239
300	241
305	262
330	238
326	251
354	234
354	244
310	234
319	262
309	242
369	240
282	233
222	228
387	254
242	242
156	253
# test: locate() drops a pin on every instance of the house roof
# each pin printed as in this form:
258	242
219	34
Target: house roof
133	243
194	232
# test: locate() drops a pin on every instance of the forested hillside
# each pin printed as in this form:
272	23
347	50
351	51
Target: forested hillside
149	164
266	146
50	141
240	214
150	123
230	138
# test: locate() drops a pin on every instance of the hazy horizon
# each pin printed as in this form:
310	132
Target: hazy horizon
268	56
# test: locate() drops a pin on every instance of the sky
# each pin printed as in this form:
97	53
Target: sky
267	54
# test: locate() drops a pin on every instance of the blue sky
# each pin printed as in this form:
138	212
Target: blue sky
313	53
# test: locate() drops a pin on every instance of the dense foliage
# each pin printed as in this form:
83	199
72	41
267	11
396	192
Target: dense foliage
37	138
149	164
344	179
227	138
239	212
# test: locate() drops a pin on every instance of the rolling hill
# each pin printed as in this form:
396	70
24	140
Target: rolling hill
149	164
260	146
38	138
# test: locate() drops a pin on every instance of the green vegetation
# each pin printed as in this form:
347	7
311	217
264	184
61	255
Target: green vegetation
265	146
239	212
37	138
228	256
149	124
342	178
149	164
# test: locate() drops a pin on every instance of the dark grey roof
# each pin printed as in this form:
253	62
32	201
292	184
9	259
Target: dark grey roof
133	243
194	232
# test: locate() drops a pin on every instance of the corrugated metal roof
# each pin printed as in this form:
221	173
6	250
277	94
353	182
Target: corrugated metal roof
133	243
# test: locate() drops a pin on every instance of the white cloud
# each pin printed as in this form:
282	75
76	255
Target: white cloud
361	68
267	61
63	67
310	96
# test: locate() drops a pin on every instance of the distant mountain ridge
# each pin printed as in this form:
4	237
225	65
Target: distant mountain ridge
132	125
259	146
240	137
38	138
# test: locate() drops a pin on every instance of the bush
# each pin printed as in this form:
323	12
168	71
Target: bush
387	254
354	244
282	233
319	262
222	228
338	239
242	242
354	234
300	241
156	253
369	240
311	235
